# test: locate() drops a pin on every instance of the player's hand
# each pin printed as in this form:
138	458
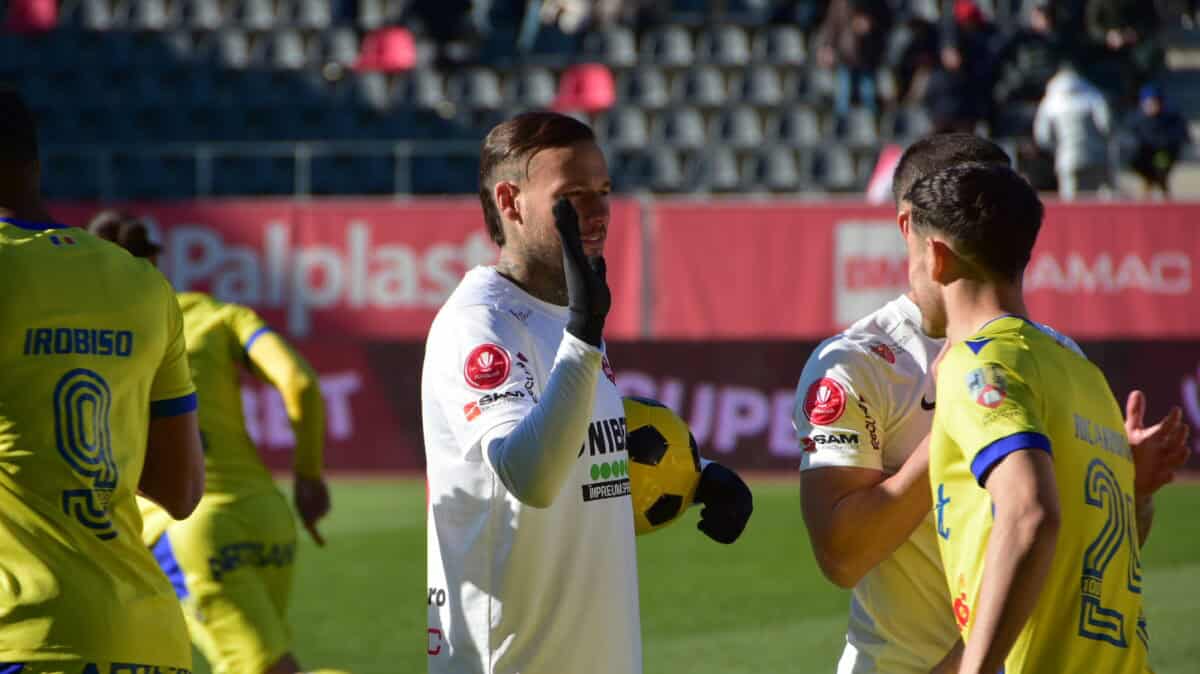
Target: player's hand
312	502
588	297
727	503
1158	451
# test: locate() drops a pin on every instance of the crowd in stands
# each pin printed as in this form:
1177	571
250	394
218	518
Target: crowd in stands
1063	79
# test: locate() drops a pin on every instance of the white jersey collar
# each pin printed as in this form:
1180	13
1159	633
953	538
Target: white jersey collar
490	275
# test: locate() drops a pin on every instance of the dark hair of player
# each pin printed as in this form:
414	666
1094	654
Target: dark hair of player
511	145
18	128
990	214
124	230
936	152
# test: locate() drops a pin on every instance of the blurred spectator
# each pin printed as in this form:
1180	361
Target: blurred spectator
950	97
853	39
1073	121
914	55
1029	59
1124	34
1158	135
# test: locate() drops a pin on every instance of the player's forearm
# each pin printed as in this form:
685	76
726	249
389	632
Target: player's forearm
1145	518
1020	551
534	459
306	412
870	524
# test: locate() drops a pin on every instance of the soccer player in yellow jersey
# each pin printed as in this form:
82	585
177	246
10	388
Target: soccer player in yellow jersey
1031	470
231	561
96	404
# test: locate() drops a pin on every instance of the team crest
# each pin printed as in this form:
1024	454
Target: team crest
487	366
987	386
825	402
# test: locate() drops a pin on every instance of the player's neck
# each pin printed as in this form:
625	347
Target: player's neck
538	280
970	304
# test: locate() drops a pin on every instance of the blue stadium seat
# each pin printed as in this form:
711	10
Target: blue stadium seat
759	85
714	171
255	14
422	87
476	88
724	45
681	128
154	15
97	15
773	169
781	45
702	86
624	128
203	14
286	50
371	14
908	124
234	48
666	170
372	91
312	14
340	45
645	86
859	130
614	46
739	127
70	176
834	169
442	174
668	46
235	175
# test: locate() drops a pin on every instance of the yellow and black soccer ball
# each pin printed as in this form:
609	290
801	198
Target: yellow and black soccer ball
664	464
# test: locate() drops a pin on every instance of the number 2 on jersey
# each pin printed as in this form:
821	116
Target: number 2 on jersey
82	401
1101	490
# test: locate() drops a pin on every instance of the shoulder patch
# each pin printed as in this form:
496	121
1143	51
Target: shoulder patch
825	401
987	386
487	366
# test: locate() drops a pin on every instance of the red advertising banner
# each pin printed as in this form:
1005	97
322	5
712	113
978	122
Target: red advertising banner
736	396
789	270
353	268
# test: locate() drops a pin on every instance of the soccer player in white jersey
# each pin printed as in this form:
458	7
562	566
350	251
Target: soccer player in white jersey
531	558
864	409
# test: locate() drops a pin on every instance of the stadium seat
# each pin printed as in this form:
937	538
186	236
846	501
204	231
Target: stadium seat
780	45
681	128
286	51
833	168
255	14
666	170
724	45
152	176
421	88
702	86
668	46
391	49
342	173
203	14
615	46
442	174
530	88
624	128
339	45
372	91
587	87
312	14
152	15
97	15
645	86
235	175
233	49
795	126
70	176
179	45
31	16
859	130
908	124
476	88
714	171
758	85
371	14
774	169
740	128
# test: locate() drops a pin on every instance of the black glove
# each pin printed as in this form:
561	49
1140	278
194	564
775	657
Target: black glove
727	503
588	298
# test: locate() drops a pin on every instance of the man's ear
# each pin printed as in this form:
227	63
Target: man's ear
505	193
904	218
945	266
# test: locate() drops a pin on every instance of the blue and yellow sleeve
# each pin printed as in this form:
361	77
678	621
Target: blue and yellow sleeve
172	392
989	407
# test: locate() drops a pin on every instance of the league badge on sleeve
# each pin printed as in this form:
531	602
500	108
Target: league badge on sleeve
987	386
487	366
825	402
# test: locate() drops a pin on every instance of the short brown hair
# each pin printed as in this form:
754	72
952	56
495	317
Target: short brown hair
934	153
518	140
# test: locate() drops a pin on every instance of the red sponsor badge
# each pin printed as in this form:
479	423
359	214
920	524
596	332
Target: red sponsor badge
487	366
825	402
884	351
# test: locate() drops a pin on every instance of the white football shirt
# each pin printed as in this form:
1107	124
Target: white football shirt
515	589
866	400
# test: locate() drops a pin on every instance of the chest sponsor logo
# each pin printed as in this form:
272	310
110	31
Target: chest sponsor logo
825	402
884	351
605	436
988	386
487	366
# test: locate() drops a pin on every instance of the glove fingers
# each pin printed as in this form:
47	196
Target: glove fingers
566	221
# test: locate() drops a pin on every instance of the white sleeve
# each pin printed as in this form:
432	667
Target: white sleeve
534	456
840	412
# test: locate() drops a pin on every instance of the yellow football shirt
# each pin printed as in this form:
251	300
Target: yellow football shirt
92	346
1010	387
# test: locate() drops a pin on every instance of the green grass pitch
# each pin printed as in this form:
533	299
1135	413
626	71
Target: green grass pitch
759	605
